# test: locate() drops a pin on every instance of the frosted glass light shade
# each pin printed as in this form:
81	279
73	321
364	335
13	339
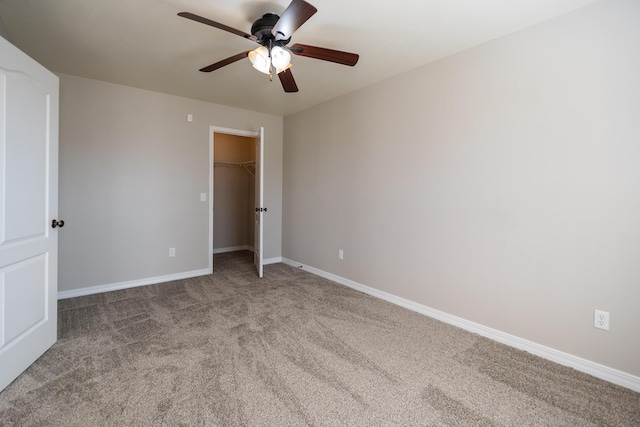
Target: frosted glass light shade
280	58
260	59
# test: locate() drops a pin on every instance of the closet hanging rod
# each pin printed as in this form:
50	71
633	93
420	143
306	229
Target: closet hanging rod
234	164
244	165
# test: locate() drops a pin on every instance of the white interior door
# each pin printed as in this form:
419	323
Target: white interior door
260	208
28	204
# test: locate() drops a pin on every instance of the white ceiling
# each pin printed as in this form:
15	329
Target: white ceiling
143	43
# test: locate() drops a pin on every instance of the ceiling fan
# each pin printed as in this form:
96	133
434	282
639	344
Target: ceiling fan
273	34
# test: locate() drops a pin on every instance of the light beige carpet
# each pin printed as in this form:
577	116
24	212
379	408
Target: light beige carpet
289	349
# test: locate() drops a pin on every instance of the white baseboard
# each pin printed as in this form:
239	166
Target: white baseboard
595	369
131	284
271	260
233	249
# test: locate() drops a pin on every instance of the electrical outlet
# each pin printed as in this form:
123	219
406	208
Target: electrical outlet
172	252
340	254
601	319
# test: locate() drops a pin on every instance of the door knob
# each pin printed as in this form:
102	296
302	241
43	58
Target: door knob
55	223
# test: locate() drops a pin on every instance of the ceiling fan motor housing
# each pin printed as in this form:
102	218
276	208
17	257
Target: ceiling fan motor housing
262	27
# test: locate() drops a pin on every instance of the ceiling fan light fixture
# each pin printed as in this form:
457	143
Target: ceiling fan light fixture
273	34
260	59
280	58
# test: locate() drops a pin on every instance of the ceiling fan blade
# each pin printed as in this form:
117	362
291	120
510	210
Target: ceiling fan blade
296	14
288	83
337	56
218	25
220	64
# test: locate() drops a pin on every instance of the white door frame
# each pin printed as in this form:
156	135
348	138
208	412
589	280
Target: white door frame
229	131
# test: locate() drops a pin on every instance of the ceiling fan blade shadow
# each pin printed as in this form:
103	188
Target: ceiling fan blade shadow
220	64
288	83
324	54
296	14
218	25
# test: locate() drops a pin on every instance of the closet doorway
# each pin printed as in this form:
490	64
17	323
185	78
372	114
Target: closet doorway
237	192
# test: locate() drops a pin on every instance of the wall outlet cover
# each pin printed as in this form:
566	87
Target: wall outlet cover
601	319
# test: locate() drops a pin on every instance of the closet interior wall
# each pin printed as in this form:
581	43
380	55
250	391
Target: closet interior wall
233	192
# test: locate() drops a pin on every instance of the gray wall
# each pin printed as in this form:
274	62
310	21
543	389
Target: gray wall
500	185
131	172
